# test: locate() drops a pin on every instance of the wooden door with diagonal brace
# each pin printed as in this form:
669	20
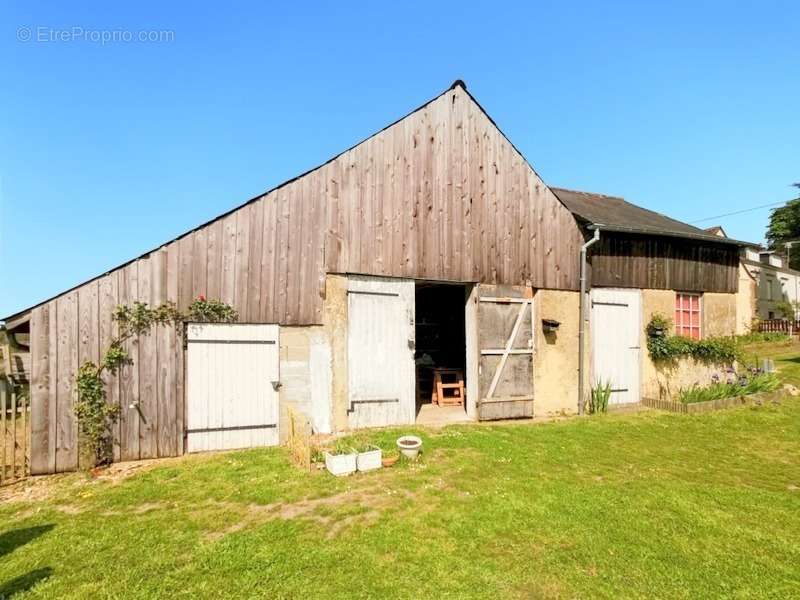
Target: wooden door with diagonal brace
505	338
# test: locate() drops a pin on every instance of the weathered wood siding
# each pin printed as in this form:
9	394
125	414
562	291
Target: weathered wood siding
441	194
75	328
646	262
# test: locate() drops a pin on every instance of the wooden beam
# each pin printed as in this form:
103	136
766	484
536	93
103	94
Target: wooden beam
17	320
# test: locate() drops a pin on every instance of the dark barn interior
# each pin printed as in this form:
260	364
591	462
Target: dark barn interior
440	334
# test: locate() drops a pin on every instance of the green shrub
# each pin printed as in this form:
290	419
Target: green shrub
664	347
204	310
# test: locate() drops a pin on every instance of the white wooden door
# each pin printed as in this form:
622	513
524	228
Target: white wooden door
380	351
616	321
231	401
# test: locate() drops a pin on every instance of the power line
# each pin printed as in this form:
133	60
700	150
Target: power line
738	212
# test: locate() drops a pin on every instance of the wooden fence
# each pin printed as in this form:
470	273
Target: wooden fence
15	425
780	326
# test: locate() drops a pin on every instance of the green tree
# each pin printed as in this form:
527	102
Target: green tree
784	226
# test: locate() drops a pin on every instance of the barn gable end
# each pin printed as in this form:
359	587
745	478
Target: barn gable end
441	194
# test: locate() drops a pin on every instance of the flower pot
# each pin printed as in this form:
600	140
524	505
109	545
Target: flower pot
409	446
341	464
369	460
390	461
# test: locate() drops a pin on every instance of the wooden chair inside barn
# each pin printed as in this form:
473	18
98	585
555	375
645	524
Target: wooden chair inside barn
448	387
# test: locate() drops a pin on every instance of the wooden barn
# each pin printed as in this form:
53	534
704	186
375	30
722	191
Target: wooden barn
427	272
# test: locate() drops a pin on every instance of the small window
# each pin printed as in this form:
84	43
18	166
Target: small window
687	315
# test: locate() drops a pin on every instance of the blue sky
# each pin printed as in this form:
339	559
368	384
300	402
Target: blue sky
108	150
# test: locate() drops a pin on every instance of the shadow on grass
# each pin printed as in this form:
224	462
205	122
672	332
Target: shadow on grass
11	540
23	583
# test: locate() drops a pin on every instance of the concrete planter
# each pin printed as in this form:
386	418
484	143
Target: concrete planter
341	464
369	460
712	405
409	446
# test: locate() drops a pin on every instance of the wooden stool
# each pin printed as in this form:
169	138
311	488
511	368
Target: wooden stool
448	387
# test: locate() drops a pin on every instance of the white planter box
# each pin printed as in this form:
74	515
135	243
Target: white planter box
340	464
370	460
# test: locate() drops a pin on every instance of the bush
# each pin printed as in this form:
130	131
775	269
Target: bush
204	310
663	347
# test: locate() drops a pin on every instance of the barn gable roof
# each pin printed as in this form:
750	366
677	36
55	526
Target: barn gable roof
593	209
613	213
23	315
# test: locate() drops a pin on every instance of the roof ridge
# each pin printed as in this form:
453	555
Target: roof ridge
563	189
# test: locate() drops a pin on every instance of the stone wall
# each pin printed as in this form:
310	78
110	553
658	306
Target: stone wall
746	300
314	359
313	364
305	375
334	318
663	380
719	314
555	367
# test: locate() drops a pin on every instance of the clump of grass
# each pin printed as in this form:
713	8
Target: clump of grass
361	442
742	386
598	401
342	446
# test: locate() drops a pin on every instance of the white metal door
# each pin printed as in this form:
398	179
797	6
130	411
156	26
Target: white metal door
231	401
616	331
380	351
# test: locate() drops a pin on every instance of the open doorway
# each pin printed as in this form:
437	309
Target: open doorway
440	354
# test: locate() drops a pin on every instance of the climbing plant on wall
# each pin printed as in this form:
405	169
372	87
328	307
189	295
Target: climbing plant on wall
96	416
664	347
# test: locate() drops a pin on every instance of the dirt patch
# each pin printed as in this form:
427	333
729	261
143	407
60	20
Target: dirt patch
117	472
39	488
329	511
32	489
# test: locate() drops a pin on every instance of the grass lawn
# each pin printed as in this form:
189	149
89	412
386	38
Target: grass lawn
785	354
643	505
